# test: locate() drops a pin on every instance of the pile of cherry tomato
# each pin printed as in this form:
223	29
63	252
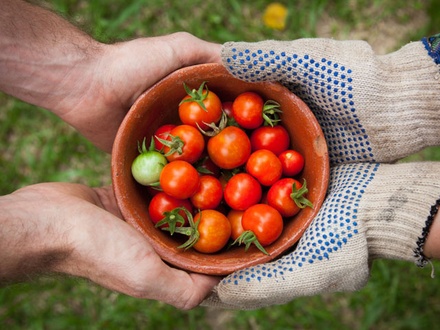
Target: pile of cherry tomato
225	173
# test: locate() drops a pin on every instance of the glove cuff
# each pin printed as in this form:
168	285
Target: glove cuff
398	210
421	259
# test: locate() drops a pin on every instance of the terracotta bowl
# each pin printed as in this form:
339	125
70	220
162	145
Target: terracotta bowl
158	106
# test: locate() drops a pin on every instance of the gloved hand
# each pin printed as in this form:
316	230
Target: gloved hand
372	109
372	211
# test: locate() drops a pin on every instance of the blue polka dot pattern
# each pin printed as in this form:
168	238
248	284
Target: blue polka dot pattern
327	88
335	225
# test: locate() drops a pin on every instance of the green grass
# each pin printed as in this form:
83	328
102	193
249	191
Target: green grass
37	147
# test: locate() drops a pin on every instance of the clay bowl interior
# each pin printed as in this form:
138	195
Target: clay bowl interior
158	106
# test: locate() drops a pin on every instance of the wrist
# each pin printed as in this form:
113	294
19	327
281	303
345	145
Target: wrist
31	243
429	243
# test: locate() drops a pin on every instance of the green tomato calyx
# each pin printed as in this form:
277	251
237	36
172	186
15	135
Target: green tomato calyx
215	129
298	197
197	96
247	238
143	149
271	113
172	219
174	143
192	231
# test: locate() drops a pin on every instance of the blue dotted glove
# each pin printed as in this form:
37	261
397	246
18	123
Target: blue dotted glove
371	108
372	211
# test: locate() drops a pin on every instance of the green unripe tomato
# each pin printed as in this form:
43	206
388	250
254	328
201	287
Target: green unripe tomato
147	166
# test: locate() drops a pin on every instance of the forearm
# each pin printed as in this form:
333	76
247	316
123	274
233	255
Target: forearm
28	245
44	58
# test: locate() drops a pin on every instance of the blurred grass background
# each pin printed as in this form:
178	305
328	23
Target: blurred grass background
36	146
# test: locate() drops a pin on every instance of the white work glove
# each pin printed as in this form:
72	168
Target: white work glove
372	109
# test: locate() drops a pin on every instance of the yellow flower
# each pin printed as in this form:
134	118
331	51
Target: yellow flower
275	16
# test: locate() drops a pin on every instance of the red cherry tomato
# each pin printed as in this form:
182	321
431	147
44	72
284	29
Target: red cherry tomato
223	180
247	110
214	229
264	221
162	133
282	196
209	194
230	148
185	143
206	166
191	111
273	138
242	191
163	202
265	166
292	162
179	179
227	108
152	191
234	217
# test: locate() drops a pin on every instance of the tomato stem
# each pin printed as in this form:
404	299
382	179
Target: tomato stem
214	128
143	148
197	95
271	113
248	237
298	197
175	144
192	231
172	218
199	166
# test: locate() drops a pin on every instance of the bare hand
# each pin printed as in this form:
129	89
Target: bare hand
77	230
122	73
